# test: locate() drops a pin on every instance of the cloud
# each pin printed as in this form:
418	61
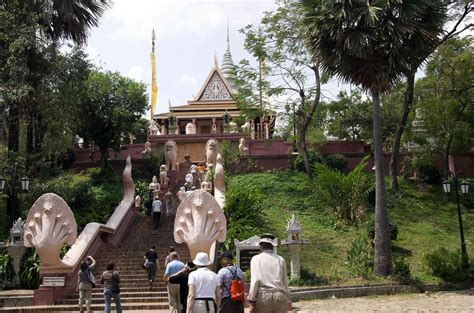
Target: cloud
136	72
135	19
187	80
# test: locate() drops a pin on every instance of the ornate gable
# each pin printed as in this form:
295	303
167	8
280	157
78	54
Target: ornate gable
216	88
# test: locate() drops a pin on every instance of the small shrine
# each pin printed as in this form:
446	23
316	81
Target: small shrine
294	243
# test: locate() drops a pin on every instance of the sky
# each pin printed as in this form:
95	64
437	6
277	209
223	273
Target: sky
188	35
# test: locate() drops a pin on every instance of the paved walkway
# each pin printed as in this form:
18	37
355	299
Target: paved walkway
459	302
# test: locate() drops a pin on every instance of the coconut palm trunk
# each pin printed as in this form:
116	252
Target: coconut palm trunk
382	255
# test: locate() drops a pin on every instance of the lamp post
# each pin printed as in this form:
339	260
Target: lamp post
288	109
9	187
464	186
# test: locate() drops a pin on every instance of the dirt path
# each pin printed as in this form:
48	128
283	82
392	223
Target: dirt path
461	301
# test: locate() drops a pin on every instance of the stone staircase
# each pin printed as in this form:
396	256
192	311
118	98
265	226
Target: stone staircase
128	258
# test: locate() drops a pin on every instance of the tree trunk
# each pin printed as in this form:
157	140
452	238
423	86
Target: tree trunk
305	119
382	258
13	128
447	151
303	149
407	104
104	157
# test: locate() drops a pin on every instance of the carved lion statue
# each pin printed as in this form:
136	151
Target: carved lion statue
171	154
163	175
212	149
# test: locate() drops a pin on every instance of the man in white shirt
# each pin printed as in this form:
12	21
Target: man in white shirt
204	288
269	281
156	208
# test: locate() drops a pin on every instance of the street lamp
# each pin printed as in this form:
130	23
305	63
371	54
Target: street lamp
464	186
8	186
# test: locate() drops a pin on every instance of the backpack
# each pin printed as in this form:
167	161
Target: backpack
236	288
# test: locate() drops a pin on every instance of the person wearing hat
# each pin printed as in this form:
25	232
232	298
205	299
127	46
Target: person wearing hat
225	275
269	281
157	210
204	289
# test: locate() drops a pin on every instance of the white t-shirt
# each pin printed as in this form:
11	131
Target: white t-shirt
205	282
157	205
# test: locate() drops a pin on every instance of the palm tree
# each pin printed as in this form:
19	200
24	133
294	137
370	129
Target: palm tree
362	42
70	19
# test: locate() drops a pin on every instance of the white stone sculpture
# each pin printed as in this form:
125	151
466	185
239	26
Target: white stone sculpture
294	243
153	130
49	225
147	147
219	184
190	129
233	127
171	154
164	175
242	147
138	202
206	184
16	233
200	222
212	149
154	185
181	194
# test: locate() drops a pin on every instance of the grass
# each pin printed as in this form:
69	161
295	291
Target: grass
424	218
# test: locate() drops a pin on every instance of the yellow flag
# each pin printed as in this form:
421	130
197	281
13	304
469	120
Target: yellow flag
154	87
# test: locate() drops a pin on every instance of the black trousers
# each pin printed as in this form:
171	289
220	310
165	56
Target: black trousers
156	217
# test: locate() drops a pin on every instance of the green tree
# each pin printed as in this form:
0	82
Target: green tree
427	37
277	43
364	42
446	107
110	105
349	116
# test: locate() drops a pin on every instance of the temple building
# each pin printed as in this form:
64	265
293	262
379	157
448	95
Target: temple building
214	107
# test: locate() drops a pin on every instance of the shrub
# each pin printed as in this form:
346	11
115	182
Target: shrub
336	162
359	261
370	229
345	194
427	171
313	156
90	197
469	201
141	189
7	273
447	265
243	213
153	161
401	268
29	270
230	155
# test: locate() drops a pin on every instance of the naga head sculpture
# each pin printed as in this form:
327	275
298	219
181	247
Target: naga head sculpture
49	225
200	222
